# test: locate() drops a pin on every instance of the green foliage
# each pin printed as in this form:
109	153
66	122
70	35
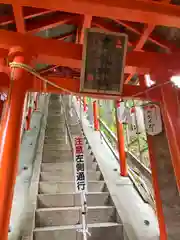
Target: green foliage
138	144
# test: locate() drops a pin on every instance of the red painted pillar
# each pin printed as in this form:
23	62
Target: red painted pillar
159	207
121	145
170	108
95	114
10	139
157	196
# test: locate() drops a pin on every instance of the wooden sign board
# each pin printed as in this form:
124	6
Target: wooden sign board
104	56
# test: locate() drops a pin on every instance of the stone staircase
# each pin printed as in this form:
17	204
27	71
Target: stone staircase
58	209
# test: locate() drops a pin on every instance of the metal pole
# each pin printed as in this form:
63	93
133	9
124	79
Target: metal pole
84	212
121	146
10	140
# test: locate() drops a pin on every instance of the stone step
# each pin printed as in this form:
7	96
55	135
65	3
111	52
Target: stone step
57	147
99	231
54	132
54	116
51	130
69	187
55	120
57	156
51	167
56	135
57	176
49	159
73	199
58	153
45	217
59	122
62	139
59	140
54	127
55	112
67	175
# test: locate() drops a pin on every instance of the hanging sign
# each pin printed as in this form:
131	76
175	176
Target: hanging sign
139	114
121	112
104	55
132	125
79	165
3	97
152	119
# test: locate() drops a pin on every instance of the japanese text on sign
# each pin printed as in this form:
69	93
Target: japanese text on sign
152	119
80	175
103	61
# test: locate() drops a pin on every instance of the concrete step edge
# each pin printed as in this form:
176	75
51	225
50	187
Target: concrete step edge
74	193
69	227
59	182
66	170
74	208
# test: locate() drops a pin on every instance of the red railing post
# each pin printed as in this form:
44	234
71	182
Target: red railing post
84	104
95	114
120	144
10	139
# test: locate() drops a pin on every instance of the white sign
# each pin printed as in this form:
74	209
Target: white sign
152	119
131	119
3	96
122	112
79	165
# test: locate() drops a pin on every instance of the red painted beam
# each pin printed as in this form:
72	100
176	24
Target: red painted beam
19	18
86	24
148	30
131	10
70	54
70	85
153	39
107	26
56	19
64	36
140	44
27	12
144	37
